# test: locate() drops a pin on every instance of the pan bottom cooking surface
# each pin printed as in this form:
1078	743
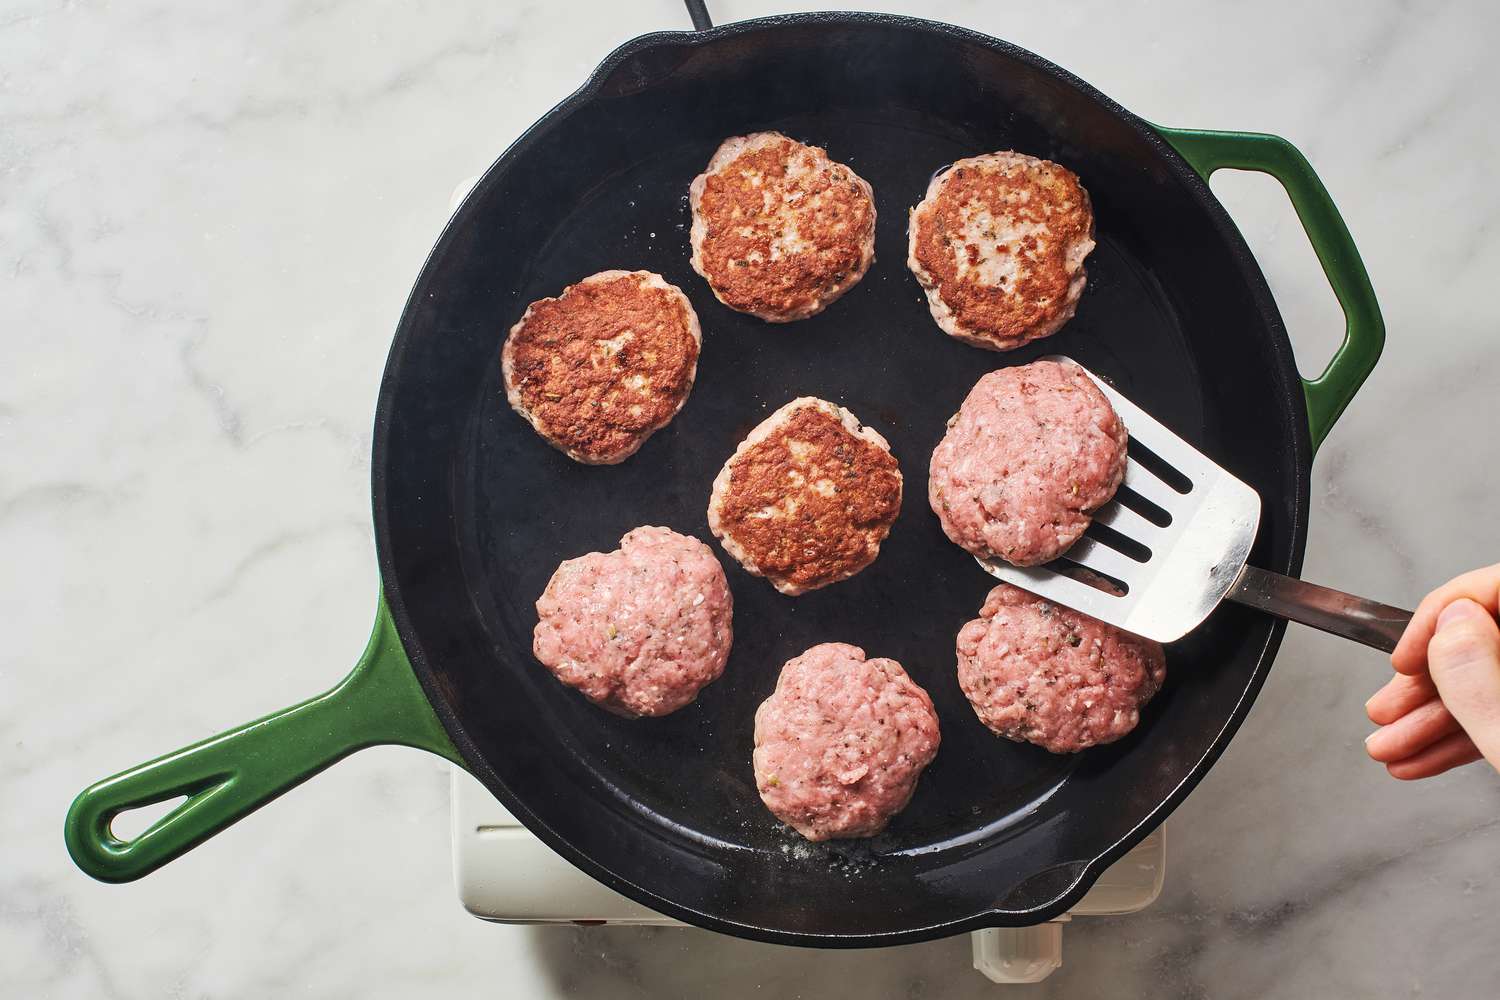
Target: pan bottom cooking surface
876	351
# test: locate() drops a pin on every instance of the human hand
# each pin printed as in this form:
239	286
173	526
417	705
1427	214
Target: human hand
1442	709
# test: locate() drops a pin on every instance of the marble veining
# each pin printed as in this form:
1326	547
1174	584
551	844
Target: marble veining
210	215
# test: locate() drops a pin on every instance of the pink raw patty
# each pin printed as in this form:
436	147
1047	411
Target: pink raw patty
840	744
1045	674
1030	455
639	630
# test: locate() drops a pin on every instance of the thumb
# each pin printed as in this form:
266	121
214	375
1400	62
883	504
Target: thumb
1463	659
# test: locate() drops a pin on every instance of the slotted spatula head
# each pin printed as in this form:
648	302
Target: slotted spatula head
1187	551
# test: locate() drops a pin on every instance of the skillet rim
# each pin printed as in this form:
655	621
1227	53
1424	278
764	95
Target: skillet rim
1290	393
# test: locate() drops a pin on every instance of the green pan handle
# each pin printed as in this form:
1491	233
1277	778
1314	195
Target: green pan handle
1364	330
231	775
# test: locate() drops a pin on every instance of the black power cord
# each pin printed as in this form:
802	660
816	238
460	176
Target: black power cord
699	13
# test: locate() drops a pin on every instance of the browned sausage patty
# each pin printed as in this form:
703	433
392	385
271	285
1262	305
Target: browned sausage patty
1045	674
605	365
807	498
779	229
998	244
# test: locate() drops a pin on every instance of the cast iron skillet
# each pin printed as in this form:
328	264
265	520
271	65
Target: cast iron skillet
473	511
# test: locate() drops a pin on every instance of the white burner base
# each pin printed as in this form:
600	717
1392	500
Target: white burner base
506	875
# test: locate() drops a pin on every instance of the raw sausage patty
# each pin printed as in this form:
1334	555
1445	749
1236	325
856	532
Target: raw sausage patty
639	630
840	744
1045	674
998	244
779	229
1028	458
603	366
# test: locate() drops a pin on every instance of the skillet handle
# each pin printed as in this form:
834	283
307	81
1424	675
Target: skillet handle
229	776
1364	329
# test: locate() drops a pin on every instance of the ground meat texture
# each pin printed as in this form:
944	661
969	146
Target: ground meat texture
807	498
1041	673
841	743
998	244
600	368
1028	458
639	630
779	229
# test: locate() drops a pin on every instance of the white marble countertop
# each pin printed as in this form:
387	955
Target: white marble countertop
210	215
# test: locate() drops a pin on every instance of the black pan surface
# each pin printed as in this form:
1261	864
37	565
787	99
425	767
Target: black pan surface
474	511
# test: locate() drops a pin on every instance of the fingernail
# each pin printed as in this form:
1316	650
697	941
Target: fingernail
1458	611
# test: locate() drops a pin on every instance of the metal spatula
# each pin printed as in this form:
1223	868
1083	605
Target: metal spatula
1179	570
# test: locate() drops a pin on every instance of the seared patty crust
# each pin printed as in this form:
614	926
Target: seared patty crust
998	244
603	366
807	497
779	229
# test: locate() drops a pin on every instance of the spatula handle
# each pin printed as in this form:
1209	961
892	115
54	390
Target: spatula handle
1369	622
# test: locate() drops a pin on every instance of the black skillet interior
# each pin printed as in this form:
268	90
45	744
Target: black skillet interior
474	511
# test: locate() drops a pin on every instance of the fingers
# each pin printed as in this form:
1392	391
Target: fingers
1481	586
1442	710
1411	733
1401	694
1444	755
1463	660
